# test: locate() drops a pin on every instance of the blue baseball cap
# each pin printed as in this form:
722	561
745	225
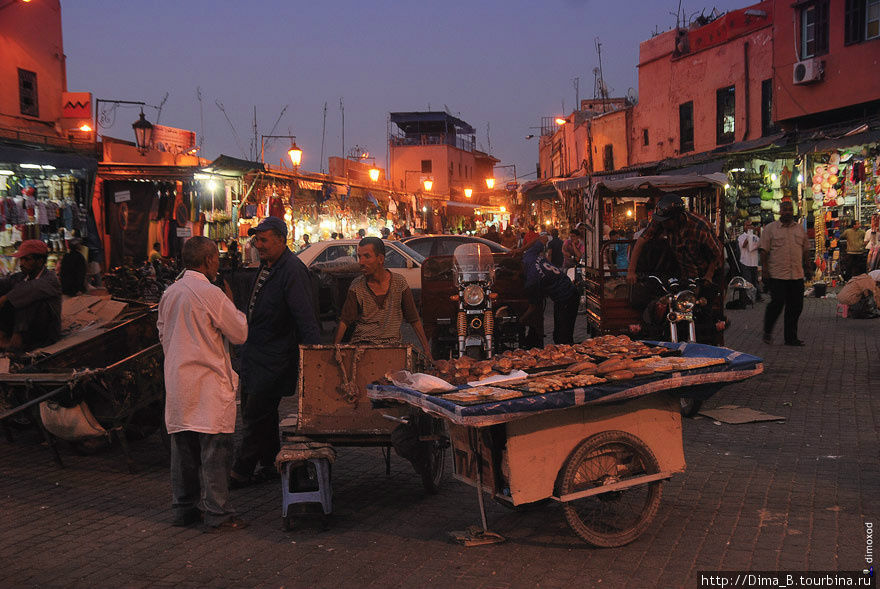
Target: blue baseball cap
270	224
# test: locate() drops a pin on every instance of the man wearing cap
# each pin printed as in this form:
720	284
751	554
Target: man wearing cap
30	301
280	317
690	237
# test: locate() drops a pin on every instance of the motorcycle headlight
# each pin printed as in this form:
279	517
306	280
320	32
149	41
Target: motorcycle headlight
684	302
473	294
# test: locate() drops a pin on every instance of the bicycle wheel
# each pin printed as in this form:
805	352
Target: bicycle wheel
612	518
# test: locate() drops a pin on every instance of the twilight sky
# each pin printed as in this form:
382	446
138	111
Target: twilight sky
504	64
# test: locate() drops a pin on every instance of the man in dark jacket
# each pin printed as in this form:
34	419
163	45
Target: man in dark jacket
280	318
544	279
30	305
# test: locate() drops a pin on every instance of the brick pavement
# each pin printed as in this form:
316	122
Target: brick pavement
767	496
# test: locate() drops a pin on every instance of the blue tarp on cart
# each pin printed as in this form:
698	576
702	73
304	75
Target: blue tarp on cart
738	366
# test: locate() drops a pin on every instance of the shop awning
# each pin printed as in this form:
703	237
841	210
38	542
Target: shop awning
840	136
666	183
543	190
61	160
233	166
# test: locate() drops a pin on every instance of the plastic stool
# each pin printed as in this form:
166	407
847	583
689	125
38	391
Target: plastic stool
842	310
306	482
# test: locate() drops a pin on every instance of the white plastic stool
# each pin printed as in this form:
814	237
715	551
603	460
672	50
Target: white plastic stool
307	482
842	310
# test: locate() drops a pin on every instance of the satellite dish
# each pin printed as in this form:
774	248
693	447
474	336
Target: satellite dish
631	96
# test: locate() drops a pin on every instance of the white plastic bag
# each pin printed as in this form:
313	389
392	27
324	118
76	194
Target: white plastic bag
424	383
70	423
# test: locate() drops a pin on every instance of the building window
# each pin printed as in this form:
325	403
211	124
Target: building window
814	29
861	21
686	127
459	169
427	166
608	158
644	137
27	93
767	125
725	117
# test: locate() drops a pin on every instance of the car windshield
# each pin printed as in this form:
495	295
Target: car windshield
409	251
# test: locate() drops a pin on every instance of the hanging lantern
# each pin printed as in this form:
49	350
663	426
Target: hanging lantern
143	132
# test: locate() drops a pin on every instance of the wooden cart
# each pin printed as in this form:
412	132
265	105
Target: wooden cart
116	370
333	406
602	451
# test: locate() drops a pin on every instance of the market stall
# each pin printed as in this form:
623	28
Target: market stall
598	436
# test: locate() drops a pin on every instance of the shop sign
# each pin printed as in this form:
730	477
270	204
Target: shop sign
76	105
184	232
511	186
122	196
173	140
308	185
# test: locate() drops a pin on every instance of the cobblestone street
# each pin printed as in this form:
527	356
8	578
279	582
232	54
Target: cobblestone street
792	495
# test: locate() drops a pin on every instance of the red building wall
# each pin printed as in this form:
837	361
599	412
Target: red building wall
852	72
735	50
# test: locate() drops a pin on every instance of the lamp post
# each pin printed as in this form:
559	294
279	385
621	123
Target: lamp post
294	153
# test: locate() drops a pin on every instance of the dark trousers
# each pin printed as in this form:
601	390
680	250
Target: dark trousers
259	436
750	273
564	315
856	264
200	475
790	295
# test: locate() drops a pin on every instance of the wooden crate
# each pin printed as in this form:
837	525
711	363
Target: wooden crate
323	407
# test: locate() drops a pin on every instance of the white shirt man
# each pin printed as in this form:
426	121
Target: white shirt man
196	322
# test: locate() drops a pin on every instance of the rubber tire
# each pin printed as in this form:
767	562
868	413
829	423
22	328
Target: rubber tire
690	406
432	473
585	529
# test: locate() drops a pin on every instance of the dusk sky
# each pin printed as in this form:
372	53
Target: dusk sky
501	63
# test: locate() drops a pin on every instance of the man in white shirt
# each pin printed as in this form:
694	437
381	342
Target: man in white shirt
748	256
196	323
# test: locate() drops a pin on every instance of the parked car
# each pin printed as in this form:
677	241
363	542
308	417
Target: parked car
444	245
334	263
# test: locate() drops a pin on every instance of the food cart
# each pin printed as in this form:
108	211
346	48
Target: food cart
602	450
624	205
103	379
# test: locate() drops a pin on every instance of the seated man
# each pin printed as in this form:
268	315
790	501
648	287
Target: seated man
378	302
861	294
30	305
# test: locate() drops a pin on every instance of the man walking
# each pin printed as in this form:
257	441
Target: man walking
544	279
196	320
280	317
748	256
784	256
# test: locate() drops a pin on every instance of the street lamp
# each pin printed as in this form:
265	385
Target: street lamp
428	184
468	192
294	153
560	121
143	132
374	174
490	183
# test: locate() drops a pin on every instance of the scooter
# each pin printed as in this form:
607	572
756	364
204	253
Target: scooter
474	276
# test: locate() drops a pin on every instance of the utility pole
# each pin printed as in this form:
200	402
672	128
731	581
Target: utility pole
323	134
344	163
577	94
254	154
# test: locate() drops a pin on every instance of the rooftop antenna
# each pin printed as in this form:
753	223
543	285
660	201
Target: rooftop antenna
159	108
601	90
344	164
254	144
201	117
231	126
576	82
488	140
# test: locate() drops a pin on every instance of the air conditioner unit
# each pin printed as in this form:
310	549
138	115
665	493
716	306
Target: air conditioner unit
808	71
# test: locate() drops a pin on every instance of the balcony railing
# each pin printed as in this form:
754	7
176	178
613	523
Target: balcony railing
463	143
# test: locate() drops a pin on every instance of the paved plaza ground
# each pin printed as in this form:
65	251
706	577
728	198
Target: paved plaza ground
792	495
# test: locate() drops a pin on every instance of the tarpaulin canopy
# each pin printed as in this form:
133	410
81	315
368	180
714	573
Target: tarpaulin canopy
544	190
61	160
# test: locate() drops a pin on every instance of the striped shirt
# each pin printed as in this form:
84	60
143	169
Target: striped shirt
377	319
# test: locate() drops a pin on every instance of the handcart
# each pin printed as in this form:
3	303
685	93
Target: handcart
109	376
333	410
603	451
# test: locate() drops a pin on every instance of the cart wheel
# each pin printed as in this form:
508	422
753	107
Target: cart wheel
618	517
690	406
432	473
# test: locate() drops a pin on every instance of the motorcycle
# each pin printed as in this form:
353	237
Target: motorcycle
474	276
684	312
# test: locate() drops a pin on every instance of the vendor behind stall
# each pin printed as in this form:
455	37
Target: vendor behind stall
378	301
30	305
